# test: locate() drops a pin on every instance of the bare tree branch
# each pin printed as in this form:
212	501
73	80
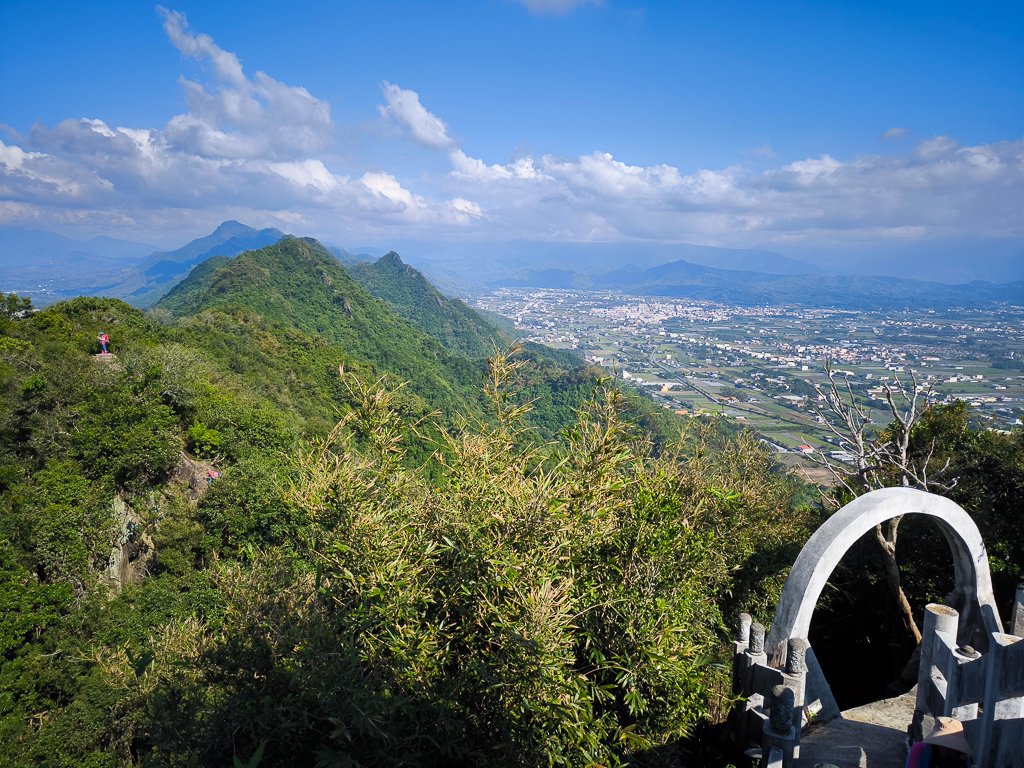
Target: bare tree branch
880	459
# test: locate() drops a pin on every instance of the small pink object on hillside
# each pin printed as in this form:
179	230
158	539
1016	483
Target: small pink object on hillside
104	340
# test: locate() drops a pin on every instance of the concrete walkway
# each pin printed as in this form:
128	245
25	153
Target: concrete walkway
871	736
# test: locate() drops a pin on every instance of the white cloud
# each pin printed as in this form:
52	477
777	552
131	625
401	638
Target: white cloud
895	133
38	175
308	174
235	116
387	187
465	209
471	168
201	47
253	148
555	7
403	106
813	171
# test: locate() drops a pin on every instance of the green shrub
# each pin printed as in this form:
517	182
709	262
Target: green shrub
204	441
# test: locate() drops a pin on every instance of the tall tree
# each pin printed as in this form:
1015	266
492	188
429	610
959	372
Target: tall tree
883	459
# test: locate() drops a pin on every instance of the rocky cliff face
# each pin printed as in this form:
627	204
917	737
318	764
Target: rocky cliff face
132	549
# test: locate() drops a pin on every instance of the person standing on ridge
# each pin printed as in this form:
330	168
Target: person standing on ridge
104	340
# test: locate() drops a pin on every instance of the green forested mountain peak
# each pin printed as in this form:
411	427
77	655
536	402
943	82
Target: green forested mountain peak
452	322
391	259
297	285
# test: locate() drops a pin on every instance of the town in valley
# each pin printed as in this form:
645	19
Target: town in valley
763	367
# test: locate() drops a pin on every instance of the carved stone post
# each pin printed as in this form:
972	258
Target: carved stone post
937	618
1017	617
795	676
739	657
779	733
746	663
757	639
740	677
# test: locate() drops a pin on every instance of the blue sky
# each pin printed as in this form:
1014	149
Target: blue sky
801	127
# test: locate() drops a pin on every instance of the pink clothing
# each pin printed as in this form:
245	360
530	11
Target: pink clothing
920	756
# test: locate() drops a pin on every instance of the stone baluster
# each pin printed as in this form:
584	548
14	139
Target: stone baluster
744	633
930	685
779	733
795	676
746	663
937	618
1017	617
740	662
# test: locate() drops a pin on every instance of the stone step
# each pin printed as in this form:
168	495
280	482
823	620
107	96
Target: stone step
871	736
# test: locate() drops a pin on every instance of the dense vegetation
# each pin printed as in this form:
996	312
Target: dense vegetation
411	556
457	326
504	563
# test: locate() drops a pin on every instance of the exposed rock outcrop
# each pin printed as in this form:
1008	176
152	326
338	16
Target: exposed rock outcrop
132	549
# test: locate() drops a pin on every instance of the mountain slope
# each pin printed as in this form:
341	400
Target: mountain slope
457	326
146	283
298	284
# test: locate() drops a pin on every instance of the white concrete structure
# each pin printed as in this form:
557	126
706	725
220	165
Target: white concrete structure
970	669
972	595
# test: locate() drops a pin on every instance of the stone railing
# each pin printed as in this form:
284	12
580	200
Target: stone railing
770	711
983	689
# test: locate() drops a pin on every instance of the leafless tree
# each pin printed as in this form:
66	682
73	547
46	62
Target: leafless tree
882	459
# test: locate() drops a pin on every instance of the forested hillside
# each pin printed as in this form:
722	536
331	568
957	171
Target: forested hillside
457	326
283	524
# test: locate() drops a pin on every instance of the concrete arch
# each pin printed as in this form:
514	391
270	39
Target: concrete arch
972	594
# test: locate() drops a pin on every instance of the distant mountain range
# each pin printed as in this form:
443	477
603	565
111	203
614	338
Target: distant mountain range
478	267
30	258
48	267
687	280
161	271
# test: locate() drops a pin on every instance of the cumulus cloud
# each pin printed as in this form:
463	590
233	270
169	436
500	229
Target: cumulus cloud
941	189
466	208
403	106
253	148
237	116
386	187
42	176
895	133
472	168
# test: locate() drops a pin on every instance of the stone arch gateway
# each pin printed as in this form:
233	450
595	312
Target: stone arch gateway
972	595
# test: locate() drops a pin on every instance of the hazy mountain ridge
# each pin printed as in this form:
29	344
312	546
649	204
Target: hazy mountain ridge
456	325
47	266
155	276
30	258
23	247
686	280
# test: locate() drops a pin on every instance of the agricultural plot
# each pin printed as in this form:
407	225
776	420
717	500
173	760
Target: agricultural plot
764	367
